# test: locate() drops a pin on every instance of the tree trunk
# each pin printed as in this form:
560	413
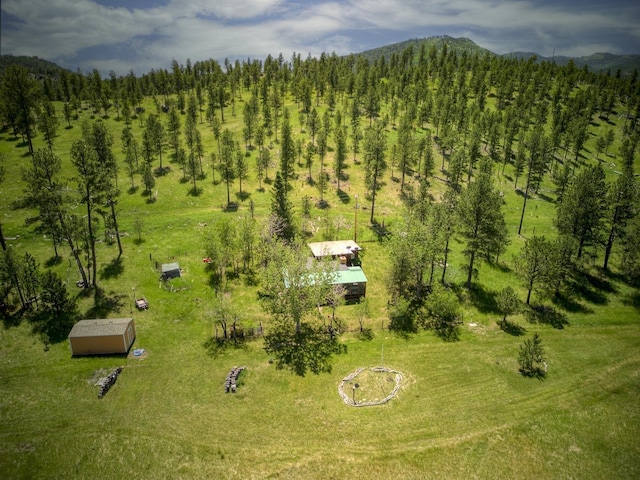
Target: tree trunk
92	241
609	247
471	260
2	242
524	204
74	252
115	226
373	192
446	255
580	246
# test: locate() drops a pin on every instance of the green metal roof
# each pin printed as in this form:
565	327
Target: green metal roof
350	275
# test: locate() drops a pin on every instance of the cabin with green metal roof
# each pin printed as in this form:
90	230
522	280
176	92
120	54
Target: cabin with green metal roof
354	282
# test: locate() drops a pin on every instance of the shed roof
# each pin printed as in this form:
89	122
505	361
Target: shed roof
350	275
170	267
104	327
338	247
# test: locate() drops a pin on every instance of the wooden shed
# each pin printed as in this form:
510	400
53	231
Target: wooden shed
346	251
102	336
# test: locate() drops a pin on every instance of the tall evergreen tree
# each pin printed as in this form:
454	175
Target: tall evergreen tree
287	149
341	152
581	213
482	221
92	181
19	96
620	205
375	147
48	123
226	166
532	262
281	207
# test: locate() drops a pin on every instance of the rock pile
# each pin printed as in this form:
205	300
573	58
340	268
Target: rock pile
230	384
107	382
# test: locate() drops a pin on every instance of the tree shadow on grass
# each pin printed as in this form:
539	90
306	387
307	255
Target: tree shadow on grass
10	318
243	196
500	266
568	303
381	230
113	269
633	300
195	192
53	261
402	319
104	304
344	197
548	315
484	300
511	328
546	198
365	334
52	328
591	288
251	278
215	346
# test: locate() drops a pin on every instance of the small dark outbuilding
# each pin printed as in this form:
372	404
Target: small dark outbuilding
170	270
102	336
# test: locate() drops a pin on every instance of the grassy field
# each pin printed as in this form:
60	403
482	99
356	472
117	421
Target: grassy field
463	411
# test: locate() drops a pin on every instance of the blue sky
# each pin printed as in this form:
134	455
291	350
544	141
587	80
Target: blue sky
139	35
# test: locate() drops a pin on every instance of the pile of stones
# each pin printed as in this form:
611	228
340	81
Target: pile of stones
107	382
230	384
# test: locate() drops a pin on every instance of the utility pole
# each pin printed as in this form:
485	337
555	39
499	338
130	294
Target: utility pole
355	223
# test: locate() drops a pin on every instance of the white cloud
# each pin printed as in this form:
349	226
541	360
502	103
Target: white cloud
60	29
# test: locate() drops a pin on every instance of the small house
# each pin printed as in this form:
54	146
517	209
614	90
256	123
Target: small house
102	336
170	270
354	282
345	251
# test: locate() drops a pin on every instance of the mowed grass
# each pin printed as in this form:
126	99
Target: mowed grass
463	410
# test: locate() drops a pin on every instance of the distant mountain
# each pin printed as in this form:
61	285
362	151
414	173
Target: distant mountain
34	65
598	62
458	45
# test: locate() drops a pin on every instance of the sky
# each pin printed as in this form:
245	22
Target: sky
140	35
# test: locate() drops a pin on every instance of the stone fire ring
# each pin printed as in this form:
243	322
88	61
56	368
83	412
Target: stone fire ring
348	397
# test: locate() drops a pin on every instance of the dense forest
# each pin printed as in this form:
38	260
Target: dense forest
439	124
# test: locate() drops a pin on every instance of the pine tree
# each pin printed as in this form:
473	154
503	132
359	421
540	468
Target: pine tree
281	207
581	212
482	222
375	163
531	358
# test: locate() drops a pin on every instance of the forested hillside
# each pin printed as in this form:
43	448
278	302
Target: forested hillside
34	65
490	195
423	129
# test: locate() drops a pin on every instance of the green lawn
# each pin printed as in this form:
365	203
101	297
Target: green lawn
463	410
